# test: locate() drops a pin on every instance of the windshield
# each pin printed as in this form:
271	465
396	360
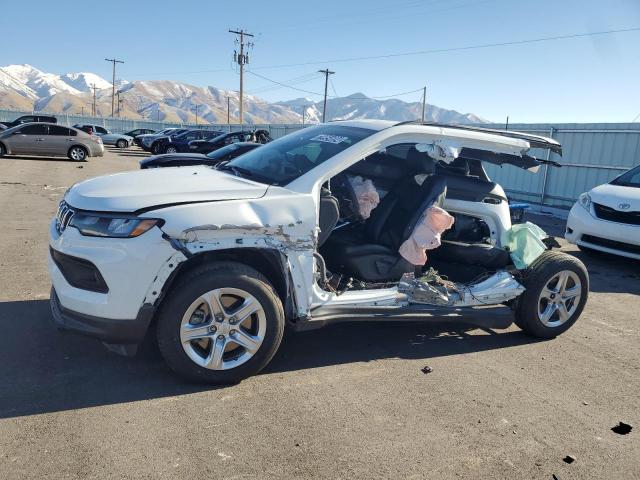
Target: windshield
629	179
223	152
283	160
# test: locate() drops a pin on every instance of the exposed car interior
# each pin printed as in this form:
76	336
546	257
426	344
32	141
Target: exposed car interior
407	182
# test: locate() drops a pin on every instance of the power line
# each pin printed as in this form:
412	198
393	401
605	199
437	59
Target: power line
332	96
451	49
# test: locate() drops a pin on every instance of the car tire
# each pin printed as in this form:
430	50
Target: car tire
155	148
77	153
194	296
170	149
122	144
557	288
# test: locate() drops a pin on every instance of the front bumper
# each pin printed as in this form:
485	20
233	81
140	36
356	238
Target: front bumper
584	228
127	332
128	266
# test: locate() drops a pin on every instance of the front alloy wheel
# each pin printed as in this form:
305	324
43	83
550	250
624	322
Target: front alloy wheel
220	323
223	328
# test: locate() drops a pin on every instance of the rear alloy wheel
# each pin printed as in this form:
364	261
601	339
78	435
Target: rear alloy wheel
557	290
171	149
155	148
221	323
79	154
122	144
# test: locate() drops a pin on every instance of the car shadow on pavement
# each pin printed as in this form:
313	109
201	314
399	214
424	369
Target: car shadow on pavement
45	370
611	273
41	159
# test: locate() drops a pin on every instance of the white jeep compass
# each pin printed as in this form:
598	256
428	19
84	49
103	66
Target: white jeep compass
325	224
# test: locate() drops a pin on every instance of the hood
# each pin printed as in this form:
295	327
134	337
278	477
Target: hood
613	196
144	189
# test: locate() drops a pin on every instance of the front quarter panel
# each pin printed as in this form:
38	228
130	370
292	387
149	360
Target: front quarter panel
281	220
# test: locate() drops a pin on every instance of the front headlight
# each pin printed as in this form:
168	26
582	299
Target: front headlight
585	200
116	227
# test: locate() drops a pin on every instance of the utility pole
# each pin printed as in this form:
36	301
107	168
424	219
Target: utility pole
304	109
93	110
326	72
113	83
82	111
424	102
228	110
196	109
242	59
118	94
506	125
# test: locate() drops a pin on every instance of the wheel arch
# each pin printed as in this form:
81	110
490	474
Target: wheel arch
268	262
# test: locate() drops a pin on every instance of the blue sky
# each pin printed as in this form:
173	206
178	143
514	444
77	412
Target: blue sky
571	80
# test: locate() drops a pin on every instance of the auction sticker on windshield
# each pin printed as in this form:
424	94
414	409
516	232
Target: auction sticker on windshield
335	139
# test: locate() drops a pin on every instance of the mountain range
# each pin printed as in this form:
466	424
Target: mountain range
24	87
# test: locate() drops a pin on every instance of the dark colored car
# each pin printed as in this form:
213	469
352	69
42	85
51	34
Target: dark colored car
139	131
207	146
152	143
140	139
180	143
186	159
29	119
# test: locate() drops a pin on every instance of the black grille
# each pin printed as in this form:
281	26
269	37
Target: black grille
613	215
605	242
79	273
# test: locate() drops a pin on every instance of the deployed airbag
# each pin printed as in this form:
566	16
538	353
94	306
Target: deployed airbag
426	235
524	243
366	194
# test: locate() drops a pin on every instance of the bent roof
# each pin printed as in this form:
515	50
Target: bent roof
534	141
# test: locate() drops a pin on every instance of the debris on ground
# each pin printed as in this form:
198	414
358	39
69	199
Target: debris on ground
426	369
622	428
569	459
80	166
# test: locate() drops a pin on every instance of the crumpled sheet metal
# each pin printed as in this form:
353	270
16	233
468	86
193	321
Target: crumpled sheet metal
524	243
426	235
367	195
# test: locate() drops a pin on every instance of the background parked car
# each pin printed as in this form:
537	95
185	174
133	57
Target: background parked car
180	142
108	138
186	159
207	146
607	217
28	119
49	139
140	138
139	131
152	142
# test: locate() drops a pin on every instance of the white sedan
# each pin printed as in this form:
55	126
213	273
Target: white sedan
607	218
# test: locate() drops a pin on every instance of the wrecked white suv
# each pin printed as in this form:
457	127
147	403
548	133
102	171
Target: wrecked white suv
354	220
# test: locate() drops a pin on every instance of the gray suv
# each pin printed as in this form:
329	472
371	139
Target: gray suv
49	139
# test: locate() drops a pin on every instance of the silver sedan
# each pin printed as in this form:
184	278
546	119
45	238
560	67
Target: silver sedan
50	139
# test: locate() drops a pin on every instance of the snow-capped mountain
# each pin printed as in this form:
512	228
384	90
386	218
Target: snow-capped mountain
84	81
358	106
26	87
